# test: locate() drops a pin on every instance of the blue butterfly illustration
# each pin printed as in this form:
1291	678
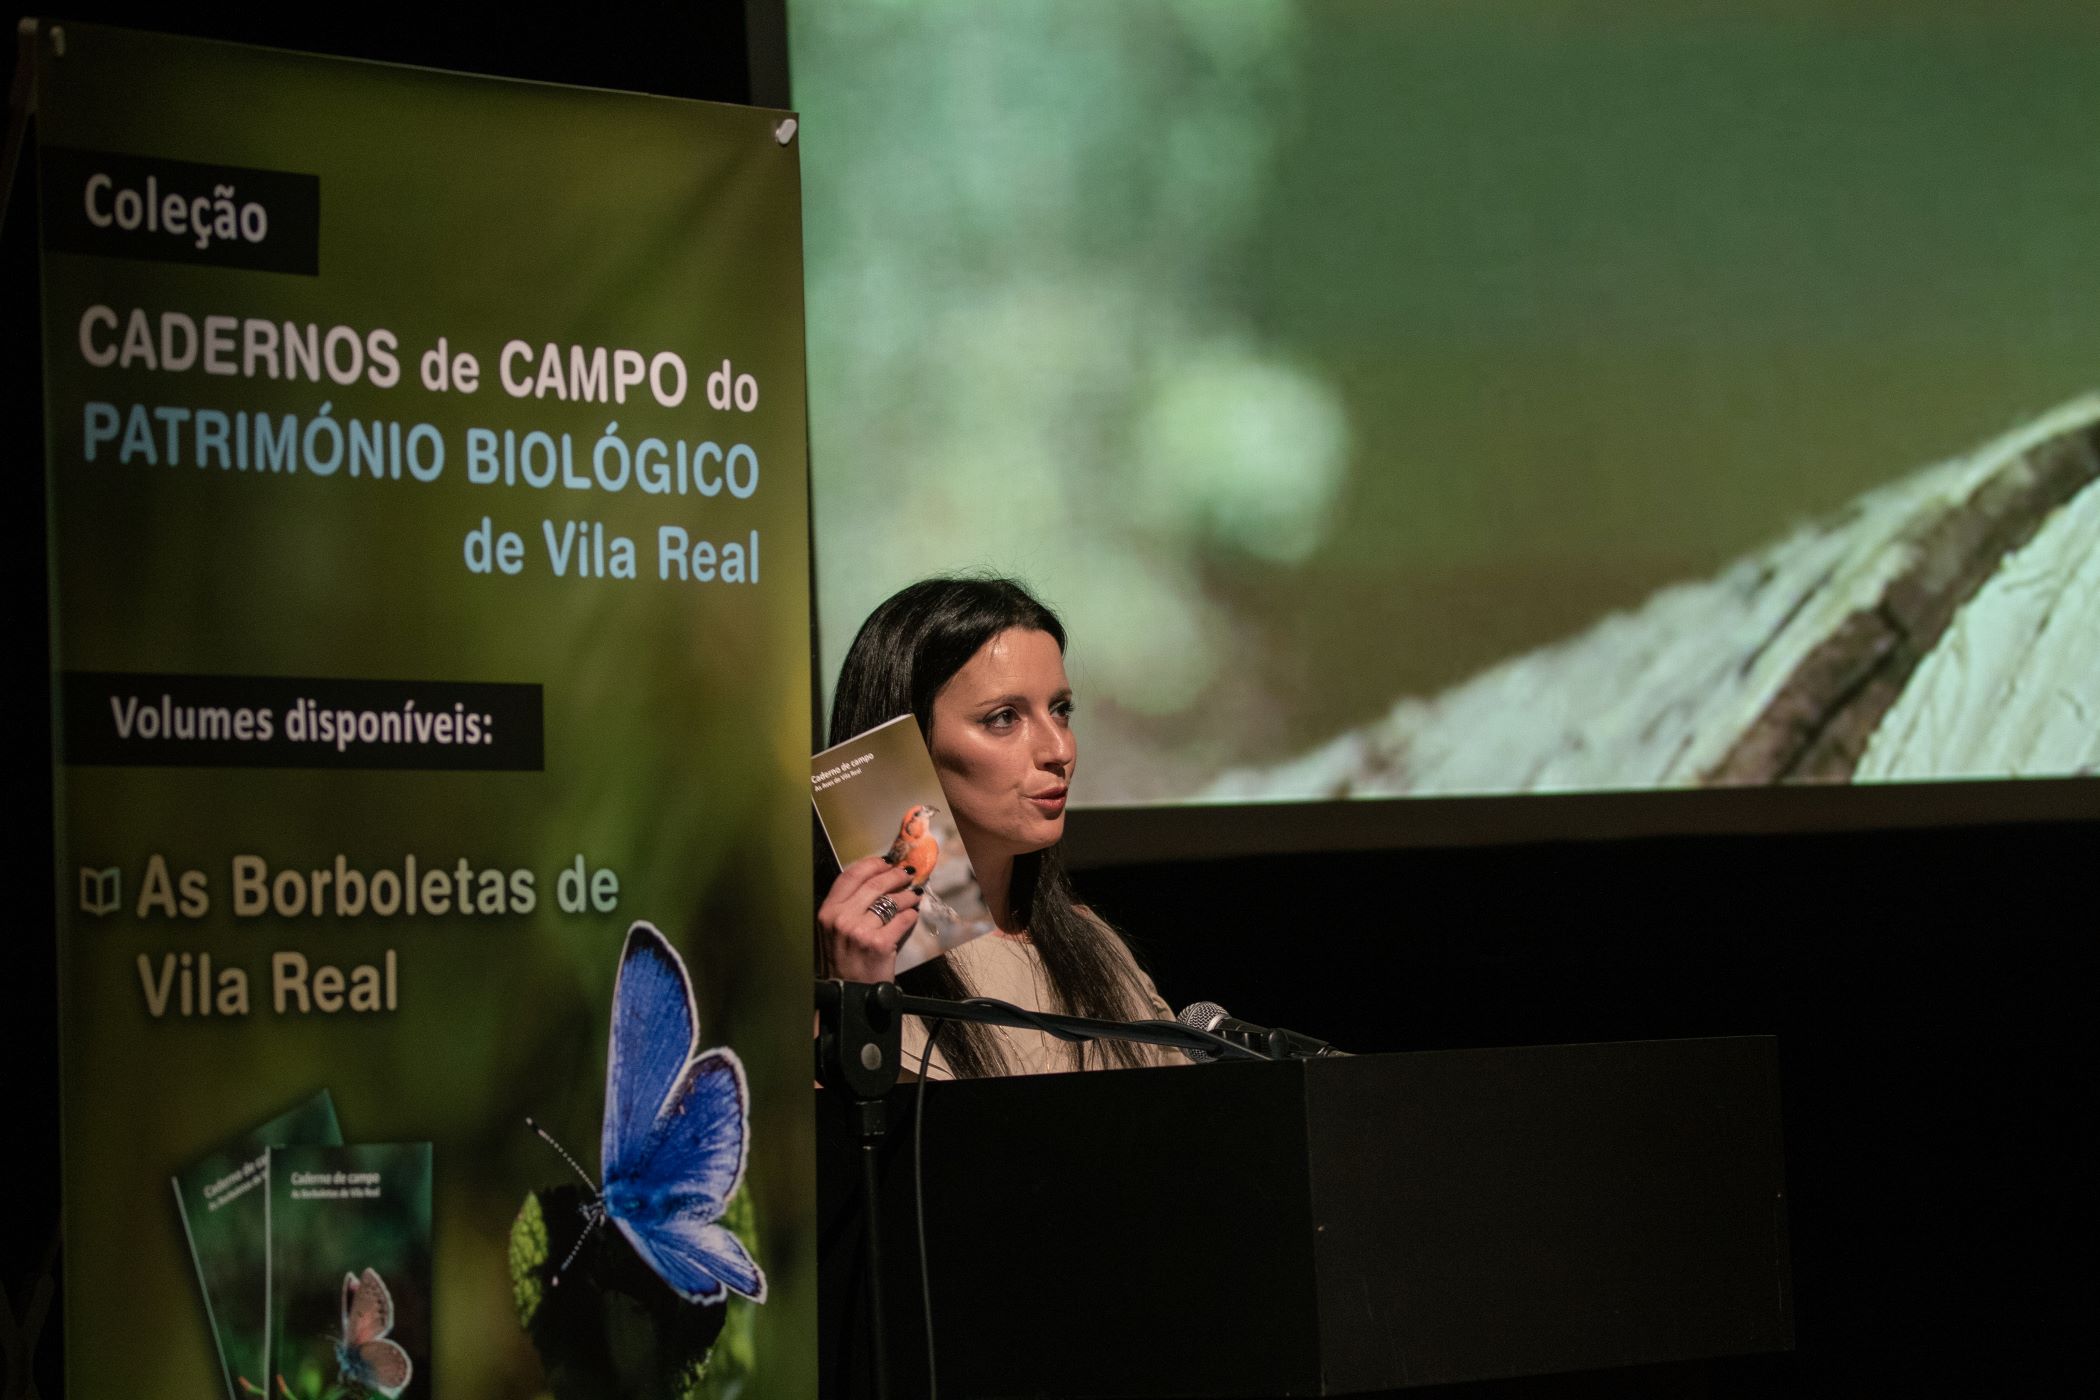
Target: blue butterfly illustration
675	1140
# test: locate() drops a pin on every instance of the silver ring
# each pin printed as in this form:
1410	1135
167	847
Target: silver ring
884	908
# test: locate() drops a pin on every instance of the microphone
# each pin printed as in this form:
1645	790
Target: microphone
1211	1017
1276	1044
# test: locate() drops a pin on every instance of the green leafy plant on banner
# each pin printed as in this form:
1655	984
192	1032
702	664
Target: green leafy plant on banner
309	1382
610	1329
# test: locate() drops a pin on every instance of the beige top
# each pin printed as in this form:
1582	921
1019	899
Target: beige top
1010	970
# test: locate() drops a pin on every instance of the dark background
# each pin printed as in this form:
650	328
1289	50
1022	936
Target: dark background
1928	989
1928	983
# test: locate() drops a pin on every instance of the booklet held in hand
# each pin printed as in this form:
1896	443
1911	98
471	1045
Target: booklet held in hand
877	794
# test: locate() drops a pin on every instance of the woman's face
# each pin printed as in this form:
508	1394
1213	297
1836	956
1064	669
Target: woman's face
1002	744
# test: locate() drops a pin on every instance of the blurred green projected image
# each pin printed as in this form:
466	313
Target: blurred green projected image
1476	397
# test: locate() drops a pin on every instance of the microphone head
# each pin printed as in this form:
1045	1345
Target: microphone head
1201	1016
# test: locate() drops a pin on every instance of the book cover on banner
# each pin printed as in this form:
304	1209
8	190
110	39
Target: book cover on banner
877	794
349	1271
222	1201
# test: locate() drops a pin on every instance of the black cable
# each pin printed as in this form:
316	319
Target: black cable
918	1190
21	106
871	1191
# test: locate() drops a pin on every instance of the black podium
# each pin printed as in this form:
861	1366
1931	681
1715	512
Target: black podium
1320	1227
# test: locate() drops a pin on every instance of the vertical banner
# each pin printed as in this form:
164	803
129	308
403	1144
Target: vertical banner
428	538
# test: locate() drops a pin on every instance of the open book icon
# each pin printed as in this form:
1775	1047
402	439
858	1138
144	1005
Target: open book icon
101	891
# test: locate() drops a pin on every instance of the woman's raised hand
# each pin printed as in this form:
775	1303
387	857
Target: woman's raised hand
865	919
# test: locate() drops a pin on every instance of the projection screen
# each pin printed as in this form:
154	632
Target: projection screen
1477	398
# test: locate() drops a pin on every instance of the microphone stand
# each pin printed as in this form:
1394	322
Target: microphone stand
860	1031
859	1038
1172	1034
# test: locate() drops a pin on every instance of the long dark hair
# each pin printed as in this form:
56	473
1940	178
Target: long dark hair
905	652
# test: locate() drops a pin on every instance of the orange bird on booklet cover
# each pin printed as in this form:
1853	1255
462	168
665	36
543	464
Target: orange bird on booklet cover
915	847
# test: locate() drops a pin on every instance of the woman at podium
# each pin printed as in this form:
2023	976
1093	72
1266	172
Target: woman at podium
979	662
